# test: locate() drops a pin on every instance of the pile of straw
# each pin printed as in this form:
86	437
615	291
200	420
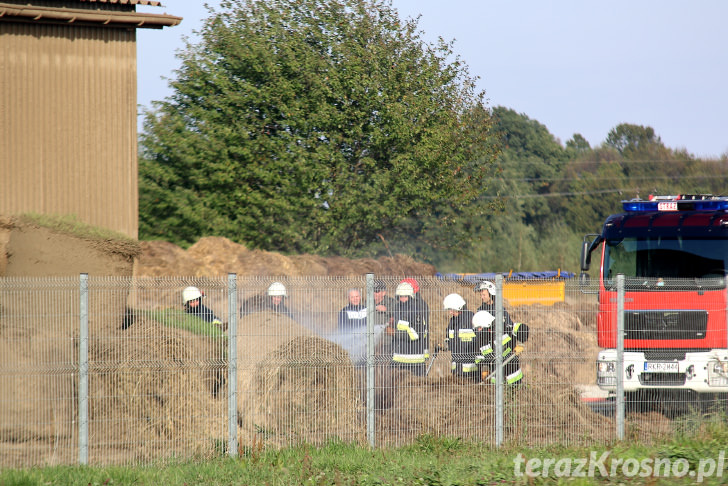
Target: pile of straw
305	391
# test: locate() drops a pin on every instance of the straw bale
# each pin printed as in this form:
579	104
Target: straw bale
305	392
259	335
157	384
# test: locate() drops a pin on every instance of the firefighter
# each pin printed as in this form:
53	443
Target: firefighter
460	338
192	298
409	331
421	304
277	295
517	330
483	325
274	300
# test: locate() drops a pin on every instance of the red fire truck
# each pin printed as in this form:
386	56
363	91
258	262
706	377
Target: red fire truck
673	253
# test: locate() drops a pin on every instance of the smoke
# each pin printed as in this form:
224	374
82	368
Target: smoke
355	341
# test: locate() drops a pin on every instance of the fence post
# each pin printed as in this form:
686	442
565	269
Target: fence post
370	360
499	360
83	373
619	366
232	336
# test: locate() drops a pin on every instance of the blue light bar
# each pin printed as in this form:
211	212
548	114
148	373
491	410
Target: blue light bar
639	206
677	203
710	205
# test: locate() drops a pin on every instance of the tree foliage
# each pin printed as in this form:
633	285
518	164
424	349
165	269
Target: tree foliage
330	127
550	196
527	168
629	139
323	126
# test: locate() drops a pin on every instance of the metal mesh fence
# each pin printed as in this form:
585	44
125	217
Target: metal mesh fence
146	379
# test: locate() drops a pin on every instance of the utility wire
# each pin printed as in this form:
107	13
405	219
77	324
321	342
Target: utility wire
560	194
569	179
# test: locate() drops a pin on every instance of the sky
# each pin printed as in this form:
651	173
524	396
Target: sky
574	66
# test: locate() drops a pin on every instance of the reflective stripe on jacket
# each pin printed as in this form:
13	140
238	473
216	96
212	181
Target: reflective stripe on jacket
470	369
410	358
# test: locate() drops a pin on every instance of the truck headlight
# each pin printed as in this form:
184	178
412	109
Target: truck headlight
717	373
607	367
606	373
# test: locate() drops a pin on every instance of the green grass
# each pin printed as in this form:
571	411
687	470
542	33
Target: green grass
429	461
179	319
72	225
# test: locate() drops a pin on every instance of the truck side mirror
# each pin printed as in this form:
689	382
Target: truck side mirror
585	256
588	245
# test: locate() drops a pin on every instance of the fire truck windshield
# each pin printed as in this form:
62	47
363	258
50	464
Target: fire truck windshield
665	262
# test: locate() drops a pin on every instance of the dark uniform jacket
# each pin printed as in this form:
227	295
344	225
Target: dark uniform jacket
517	330
352	317
203	312
381	318
512	333
463	345
410	343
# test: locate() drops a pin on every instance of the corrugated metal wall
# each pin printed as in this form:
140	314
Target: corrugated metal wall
68	123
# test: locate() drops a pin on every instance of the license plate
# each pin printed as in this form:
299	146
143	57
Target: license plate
662	367
667	206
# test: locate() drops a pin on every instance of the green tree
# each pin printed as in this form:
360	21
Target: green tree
578	144
531	160
629	139
526	170
312	126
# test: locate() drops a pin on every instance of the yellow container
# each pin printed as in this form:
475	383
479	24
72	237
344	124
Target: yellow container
527	292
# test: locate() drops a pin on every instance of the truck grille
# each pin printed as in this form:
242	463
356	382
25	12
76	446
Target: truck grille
667	324
662	379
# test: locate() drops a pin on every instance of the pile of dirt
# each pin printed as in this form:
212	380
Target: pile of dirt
39	338
216	256
29	249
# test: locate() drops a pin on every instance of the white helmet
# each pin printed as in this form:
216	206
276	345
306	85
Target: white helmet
483	319
485	285
454	302
191	293
404	289
277	289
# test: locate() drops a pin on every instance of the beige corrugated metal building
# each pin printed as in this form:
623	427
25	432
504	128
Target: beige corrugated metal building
68	108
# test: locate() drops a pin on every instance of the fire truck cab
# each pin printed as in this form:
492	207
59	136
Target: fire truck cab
673	253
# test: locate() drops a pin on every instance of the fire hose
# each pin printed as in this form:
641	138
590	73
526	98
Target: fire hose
438	348
516	352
